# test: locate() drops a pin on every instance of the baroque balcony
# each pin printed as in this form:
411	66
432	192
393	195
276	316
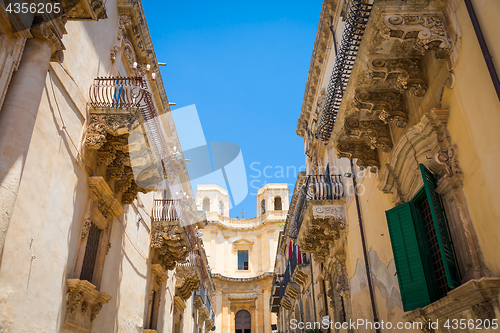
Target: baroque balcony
93	10
319	216
125	134
168	237
370	107
188	276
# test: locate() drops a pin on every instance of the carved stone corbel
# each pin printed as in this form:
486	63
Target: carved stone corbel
426	30
367	157
375	132
187	281
387	105
401	73
170	242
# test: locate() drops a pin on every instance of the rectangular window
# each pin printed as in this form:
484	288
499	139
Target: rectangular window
421	243
90	256
243	260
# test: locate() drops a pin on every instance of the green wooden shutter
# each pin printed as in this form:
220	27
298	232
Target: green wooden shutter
413	285
441	228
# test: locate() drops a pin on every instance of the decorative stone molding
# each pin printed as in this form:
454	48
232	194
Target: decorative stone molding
106	202
374	132
321	228
389	106
476	299
286	304
197	301
301	275
86	227
187	281
160	273
203	313
113	52
170	243
83	304
111	135
87	10
209	324
292	290
366	156
402	74
425	30
125	21
53	32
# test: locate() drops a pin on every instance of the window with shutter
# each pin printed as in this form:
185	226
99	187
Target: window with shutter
422	247
441	228
413	284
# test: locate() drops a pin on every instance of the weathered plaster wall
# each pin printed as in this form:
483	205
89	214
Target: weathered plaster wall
51	202
473	126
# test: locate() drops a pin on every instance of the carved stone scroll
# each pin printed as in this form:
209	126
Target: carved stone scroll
367	157
389	106
426	30
402	73
187	281
170	243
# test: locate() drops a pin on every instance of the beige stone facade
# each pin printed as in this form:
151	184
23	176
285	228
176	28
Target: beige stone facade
92	235
241	252
416	113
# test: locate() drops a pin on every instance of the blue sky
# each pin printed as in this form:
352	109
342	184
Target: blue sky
244	65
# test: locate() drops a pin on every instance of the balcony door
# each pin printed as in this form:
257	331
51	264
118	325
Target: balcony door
243	322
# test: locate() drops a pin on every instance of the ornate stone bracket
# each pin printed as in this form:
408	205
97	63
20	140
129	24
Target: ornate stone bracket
121	151
83	304
402	74
286	304
187	281
87	10
301	275
160	273
170	242
367	157
374	132
321	228
292	290
388	106
425	30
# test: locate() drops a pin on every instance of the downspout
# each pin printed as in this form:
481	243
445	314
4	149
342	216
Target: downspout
484	47
312	288
365	254
325	297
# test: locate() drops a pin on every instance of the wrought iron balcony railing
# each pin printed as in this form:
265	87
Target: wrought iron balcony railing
165	210
316	187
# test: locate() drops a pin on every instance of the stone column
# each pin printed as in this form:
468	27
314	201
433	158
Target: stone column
18	115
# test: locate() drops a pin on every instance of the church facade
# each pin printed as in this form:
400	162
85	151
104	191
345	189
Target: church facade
241	253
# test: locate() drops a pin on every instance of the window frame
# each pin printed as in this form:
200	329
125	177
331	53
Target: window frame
431	286
247	261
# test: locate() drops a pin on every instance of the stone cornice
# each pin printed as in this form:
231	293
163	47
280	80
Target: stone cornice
319	59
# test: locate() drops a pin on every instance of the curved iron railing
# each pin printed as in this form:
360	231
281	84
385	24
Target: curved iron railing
316	187
165	210
355	25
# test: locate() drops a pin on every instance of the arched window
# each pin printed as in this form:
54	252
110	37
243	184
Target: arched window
221	208
277	203
263	207
206	205
243	321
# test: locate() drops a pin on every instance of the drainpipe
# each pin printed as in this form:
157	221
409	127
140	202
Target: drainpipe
365	254
312	288
484	47
325	297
